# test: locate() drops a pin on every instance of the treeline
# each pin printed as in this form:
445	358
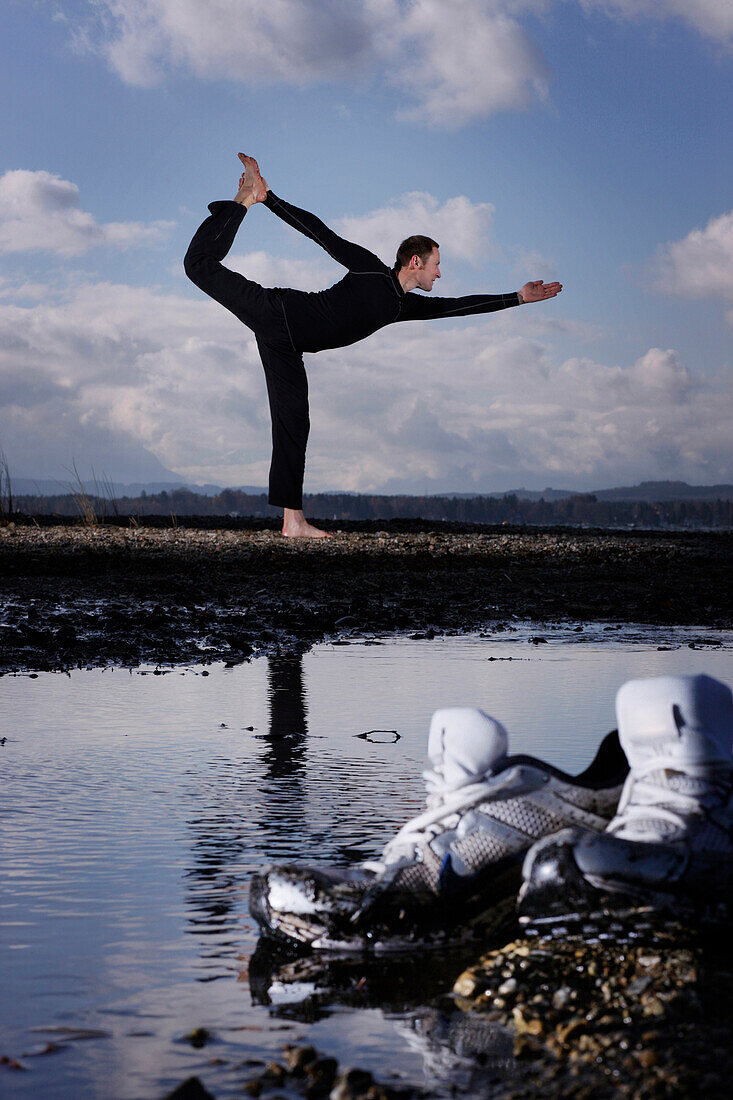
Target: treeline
583	509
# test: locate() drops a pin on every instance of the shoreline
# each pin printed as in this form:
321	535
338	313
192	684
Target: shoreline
89	596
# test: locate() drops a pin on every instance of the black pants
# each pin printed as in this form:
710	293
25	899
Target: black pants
287	391
287	385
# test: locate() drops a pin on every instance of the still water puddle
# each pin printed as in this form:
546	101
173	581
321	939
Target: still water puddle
134	807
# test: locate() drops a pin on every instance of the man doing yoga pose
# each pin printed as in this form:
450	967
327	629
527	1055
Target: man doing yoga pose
286	323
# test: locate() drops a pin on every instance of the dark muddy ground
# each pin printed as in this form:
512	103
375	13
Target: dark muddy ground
73	595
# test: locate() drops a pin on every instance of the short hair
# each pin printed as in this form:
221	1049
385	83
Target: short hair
414	246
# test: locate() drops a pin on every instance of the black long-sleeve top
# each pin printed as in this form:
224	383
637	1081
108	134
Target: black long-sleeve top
367	298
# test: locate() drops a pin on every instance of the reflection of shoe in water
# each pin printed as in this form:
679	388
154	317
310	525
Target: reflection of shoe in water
455	867
308	986
670	846
462	1053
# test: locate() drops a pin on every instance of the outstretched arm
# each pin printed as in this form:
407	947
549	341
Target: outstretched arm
419	308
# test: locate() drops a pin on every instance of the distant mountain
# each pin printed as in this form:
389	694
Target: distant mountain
654	491
648	491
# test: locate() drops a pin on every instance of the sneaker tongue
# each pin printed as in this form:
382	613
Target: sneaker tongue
675	722
464	744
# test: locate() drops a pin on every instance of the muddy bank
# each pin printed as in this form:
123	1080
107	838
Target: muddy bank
83	596
636	1012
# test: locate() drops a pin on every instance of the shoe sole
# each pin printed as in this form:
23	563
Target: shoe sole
391	928
564	895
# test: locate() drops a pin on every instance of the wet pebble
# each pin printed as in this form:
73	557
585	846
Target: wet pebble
198	1037
306	1072
190	1089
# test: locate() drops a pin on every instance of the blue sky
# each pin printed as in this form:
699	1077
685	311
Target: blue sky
582	139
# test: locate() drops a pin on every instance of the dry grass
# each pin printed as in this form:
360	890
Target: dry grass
93	507
6	489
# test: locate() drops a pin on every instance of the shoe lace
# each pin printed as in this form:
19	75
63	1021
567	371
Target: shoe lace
646	798
444	807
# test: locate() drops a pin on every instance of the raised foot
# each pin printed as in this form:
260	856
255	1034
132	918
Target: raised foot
296	526
251	183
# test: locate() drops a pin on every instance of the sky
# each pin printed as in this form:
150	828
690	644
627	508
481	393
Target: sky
581	140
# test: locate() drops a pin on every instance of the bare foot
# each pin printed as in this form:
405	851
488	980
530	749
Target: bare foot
252	187
296	526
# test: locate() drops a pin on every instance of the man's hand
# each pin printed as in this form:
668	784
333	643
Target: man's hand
537	292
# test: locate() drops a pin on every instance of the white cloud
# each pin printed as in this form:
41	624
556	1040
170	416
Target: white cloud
533	265
656	379
40	211
483	407
450	62
270	271
168	379
701	264
463	60
712	18
461	227
283	41
23	289
453	62
660	375
113	375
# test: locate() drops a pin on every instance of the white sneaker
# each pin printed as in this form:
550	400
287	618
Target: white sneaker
670	845
455	866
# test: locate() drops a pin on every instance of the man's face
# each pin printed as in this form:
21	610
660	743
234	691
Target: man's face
429	271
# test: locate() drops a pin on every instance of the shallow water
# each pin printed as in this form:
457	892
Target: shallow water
135	806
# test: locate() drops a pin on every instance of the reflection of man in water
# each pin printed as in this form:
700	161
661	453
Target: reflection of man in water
288	322
288	718
221	820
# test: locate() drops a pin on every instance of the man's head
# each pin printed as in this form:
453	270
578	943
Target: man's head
418	258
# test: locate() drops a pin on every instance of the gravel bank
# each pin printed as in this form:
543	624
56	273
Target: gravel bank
645	1017
83	596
